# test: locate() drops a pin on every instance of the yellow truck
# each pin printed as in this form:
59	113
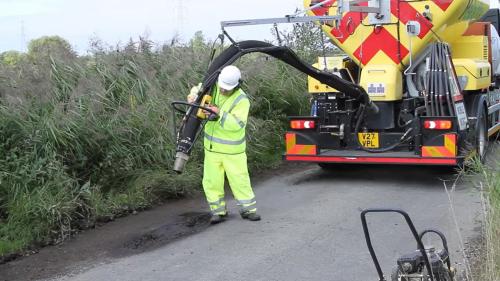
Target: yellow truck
418	84
431	67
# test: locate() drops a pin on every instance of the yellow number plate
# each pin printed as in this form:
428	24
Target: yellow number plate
369	140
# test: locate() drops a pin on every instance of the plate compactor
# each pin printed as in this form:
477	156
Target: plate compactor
424	264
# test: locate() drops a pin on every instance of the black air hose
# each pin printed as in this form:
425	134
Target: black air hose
191	123
285	54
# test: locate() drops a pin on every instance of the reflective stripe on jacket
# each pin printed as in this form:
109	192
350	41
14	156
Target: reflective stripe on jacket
227	134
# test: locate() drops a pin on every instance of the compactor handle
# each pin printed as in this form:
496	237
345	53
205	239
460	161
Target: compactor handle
412	229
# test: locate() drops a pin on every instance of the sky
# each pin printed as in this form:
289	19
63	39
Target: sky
116	21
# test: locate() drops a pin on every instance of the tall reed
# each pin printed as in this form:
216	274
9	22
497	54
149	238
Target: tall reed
89	138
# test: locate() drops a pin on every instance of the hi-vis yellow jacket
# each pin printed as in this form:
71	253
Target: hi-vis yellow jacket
227	134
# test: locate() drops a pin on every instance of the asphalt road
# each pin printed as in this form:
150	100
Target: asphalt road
311	229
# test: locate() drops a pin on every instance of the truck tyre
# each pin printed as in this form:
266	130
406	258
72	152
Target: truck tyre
482	135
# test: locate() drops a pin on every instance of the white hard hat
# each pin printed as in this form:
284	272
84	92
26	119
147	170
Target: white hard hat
229	77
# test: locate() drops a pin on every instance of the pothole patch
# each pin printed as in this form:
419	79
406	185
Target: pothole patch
188	224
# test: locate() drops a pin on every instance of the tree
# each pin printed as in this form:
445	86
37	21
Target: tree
308	41
50	46
12	57
198	42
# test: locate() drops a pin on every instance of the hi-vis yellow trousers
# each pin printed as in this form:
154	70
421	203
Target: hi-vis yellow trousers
234	166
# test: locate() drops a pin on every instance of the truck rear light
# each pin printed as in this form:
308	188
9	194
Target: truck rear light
437	124
302	124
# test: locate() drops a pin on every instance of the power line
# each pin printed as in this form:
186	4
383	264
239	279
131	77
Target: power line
180	16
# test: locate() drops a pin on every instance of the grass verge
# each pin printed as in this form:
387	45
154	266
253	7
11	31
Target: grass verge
86	139
487	178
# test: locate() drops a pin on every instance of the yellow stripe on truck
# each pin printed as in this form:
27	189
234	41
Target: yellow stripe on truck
298	149
449	149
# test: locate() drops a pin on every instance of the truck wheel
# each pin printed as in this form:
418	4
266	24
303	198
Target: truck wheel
482	136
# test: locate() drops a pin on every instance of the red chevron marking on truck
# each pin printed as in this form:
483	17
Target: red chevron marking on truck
443	4
380	40
348	24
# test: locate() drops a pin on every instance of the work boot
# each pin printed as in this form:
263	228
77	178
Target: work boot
251	216
217	218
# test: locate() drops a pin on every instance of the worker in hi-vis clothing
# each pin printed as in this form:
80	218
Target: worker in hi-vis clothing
225	147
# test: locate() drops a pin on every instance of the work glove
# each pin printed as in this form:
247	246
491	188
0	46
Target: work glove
193	94
213	116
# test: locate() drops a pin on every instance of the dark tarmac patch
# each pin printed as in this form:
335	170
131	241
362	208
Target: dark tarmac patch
188	224
123	237
126	236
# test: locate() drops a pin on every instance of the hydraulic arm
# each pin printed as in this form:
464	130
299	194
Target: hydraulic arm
191	123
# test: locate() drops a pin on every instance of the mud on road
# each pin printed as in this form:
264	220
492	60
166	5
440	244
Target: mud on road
126	236
123	237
